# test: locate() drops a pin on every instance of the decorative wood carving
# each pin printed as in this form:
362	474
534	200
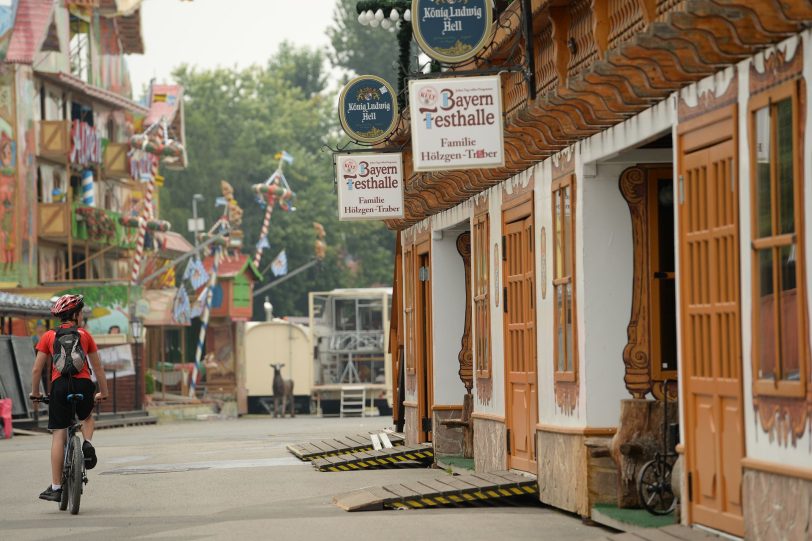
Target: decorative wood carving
777	69
708	101
566	396
636	354
411	383
484	390
644	62
466	356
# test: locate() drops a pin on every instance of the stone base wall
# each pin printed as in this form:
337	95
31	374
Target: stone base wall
447	441
411	426
490	445
776	507
562	471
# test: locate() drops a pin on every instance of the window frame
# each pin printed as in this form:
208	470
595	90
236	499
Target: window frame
558	186
409	277
770	98
483	360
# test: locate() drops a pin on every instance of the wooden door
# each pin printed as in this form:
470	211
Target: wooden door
520	342
711	340
424	368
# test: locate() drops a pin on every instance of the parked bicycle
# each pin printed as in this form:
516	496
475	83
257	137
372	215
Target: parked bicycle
74	475
654	480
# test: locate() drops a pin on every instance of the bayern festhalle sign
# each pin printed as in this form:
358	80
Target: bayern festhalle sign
451	31
368	109
456	123
370	186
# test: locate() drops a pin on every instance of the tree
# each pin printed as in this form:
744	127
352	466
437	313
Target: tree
361	50
236	121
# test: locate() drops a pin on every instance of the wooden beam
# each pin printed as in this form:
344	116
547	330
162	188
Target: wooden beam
560	18
649	9
601	25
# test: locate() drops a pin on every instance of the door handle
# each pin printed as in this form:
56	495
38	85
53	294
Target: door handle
660	275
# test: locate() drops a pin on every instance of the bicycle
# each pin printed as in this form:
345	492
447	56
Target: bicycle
74	475
654	480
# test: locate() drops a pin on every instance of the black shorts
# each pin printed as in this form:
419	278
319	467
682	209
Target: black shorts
60	410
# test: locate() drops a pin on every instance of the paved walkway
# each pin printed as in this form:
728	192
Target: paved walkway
669	533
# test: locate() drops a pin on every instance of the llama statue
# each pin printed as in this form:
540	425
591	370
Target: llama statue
282	392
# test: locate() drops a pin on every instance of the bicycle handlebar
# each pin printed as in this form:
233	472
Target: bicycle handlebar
44	398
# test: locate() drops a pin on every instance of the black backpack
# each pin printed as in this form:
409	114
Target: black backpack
69	356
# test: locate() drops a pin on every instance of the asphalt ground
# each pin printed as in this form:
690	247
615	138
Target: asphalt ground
227	479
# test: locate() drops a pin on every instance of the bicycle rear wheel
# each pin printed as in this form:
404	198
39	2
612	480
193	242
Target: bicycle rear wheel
66	469
654	487
75	481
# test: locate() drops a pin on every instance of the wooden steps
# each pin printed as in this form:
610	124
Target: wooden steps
394	457
311	450
443	491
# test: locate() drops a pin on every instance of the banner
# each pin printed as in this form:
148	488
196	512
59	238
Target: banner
279	266
370	186
118	359
456	123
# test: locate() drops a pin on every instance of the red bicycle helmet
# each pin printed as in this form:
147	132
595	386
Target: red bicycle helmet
67	305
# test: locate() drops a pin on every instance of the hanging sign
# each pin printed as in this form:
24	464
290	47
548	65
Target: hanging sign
370	186
451	32
368	109
456	123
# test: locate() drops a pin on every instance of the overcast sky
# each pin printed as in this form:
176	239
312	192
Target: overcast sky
207	34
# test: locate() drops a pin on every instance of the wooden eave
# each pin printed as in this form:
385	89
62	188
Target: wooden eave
599	63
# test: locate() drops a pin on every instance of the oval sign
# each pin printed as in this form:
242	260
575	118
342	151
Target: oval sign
451	31
368	109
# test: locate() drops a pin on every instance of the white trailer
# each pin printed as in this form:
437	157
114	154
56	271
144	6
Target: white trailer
350	333
282	342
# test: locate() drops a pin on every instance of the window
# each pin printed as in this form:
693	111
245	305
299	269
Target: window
564	339
408	308
80	47
482	309
779	328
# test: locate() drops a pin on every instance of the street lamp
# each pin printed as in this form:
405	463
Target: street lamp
268	309
136	329
196	226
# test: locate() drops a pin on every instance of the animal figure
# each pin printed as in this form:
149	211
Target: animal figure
282	392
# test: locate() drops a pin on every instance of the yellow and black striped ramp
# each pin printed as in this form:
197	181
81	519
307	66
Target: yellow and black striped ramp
311	450
395	457
496	488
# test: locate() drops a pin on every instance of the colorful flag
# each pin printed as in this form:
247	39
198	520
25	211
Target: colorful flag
263	244
279	266
221	202
181	310
196	273
284	156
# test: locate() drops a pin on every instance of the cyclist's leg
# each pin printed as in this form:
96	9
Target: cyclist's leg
57	455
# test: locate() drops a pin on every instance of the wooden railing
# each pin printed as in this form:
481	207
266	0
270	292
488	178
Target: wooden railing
54	139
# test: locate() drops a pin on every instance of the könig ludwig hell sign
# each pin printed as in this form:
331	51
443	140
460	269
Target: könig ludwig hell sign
456	123
370	186
368	109
449	31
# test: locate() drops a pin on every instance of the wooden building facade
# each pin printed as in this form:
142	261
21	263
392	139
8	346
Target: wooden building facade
646	236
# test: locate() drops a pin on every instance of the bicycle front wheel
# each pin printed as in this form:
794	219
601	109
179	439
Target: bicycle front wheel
75	482
654	487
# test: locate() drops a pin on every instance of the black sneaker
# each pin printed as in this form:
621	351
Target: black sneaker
90	455
51	495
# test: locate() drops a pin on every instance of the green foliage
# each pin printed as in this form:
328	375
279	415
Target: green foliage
236	121
361	50
149	384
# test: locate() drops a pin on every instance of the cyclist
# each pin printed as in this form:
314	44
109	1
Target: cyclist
68	308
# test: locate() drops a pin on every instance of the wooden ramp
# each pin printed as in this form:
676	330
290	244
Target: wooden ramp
443	491
375	459
311	450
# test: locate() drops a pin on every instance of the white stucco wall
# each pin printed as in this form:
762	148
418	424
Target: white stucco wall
448	318
606	297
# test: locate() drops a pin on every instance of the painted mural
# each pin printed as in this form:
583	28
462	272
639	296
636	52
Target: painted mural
108	305
6	23
26	177
8	177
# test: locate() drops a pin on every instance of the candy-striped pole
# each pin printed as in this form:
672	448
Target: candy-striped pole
146	215
204	321
266	223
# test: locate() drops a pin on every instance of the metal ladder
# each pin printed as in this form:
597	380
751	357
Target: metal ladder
353	401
